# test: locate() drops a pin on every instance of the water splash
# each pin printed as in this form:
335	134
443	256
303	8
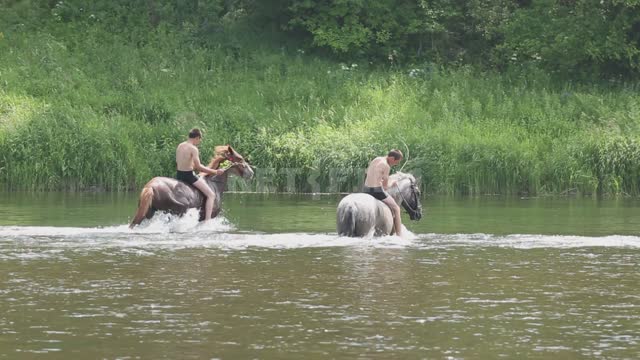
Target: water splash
167	232
164	222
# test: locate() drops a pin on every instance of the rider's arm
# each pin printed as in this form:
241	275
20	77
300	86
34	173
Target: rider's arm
216	162
197	165
385	181
385	178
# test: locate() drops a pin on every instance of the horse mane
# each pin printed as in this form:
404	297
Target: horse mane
401	176
220	153
215	161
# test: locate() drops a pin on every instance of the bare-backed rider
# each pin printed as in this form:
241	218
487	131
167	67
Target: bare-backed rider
376	183
188	160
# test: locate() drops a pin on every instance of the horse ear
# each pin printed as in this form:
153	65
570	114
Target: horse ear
230	149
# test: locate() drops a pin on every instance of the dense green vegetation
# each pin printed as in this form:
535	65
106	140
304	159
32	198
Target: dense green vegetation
98	94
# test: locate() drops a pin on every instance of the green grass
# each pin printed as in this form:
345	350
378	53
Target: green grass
81	108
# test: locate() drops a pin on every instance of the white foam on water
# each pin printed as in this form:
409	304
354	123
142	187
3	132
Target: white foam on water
161	223
239	241
172	233
165	231
530	241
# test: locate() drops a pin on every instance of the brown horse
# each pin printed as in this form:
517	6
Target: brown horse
176	197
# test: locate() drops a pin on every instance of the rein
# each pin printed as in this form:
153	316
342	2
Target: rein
235	164
220	178
402	196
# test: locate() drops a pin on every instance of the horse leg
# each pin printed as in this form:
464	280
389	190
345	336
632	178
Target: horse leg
345	220
144	204
151	212
395	215
202	212
384	221
208	200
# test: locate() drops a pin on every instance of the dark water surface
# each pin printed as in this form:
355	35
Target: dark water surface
481	278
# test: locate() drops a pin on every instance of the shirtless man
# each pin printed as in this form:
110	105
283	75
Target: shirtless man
377	182
188	159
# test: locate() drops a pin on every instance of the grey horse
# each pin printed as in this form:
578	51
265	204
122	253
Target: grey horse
362	215
176	197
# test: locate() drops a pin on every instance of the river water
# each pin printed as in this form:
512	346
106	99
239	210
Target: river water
480	278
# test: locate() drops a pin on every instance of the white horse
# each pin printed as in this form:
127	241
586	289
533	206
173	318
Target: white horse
363	215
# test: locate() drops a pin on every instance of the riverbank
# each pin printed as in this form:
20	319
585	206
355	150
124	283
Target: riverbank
83	108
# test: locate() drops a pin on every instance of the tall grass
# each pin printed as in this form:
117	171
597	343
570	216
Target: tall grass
82	108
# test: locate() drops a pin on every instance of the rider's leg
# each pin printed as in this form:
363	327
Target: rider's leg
206	190
395	209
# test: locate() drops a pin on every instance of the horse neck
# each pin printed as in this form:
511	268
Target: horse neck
217	183
394	192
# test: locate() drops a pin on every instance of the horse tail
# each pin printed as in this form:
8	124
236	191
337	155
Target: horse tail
347	221
144	204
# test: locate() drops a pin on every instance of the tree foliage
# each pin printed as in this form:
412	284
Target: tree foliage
575	37
579	37
585	38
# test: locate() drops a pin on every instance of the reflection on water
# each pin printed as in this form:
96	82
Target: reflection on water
272	280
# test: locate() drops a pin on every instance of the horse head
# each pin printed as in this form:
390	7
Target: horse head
409	194
239	166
